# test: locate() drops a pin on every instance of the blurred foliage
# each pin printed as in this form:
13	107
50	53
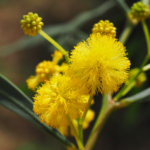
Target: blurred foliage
33	146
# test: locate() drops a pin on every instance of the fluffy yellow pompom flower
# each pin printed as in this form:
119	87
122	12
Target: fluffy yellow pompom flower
59	99
104	28
31	24
100	63
44	70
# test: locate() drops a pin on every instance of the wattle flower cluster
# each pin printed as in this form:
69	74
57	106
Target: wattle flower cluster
98	64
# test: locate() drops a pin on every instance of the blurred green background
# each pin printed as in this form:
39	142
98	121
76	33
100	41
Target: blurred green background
68	22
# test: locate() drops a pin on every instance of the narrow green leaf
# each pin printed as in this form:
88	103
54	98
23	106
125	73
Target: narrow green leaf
15	100
123	6
141	96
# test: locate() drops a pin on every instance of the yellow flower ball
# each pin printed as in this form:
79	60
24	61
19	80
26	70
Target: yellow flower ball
100	63
58	99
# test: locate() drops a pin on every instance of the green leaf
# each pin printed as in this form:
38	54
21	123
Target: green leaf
123	6
15	100
141	96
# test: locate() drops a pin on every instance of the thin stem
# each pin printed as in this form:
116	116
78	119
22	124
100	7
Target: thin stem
103	109
107	108
146	68
81	120
128	88
52	41
126	32
123	6
146	32
81	147
80	128
87	108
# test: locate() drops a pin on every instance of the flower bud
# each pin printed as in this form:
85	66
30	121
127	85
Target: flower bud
140	11
104	27
31	24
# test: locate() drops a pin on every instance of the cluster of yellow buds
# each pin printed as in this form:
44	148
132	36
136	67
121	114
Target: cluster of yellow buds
104	27
44	70
31	24
139	80
140	11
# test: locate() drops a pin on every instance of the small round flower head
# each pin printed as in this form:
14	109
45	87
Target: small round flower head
104	28
89	117
139	80
31	24
100	63
59	99
44	70
140	11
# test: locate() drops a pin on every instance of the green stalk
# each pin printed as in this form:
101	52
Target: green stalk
107	108
80	128
80	144
52	41
87	108
126	32
147	36
146	68
123	6
81	120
